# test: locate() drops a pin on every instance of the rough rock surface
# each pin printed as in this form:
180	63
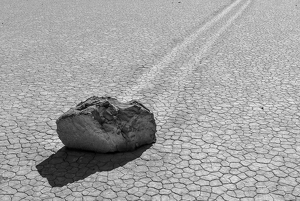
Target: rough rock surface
104	124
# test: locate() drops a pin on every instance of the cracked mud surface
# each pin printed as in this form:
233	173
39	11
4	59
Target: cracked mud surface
227	120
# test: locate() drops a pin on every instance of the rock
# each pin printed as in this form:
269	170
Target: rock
103	124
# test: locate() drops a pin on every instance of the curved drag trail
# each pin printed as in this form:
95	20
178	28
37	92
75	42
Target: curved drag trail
225	96
147	77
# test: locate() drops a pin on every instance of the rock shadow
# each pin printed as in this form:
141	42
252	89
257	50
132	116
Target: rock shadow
70	165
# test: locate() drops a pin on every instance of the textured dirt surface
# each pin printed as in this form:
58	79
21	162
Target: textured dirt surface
223	85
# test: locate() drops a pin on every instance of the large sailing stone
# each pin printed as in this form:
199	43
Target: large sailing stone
103	124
